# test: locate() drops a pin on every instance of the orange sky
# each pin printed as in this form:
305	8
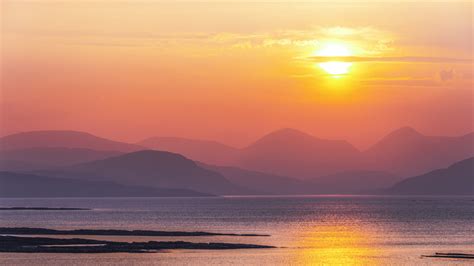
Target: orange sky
232	72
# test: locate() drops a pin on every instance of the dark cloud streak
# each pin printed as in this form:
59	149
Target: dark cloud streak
388	59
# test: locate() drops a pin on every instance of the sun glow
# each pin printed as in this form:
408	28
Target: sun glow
336	245
334	50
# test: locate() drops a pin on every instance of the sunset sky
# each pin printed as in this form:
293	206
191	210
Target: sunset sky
231	72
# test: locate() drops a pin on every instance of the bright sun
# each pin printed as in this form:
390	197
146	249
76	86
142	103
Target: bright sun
334	50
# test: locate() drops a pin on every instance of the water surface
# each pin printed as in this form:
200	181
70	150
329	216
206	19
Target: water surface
309	230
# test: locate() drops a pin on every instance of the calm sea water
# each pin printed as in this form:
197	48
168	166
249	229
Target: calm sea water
312	230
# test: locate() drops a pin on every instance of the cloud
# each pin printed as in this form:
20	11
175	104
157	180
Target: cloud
370	40
446	75
402	82
459	75
393	59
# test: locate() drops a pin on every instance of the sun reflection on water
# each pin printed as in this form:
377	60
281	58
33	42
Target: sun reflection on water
335	245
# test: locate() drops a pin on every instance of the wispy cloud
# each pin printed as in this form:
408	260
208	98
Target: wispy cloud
372	40
393	59
402	82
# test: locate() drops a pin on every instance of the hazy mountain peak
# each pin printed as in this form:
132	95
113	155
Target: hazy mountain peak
150	155
147	160
457	179
151	168
399	139
202	150
408	152
31	185
290	136
49	133
62	138
189	141
405	132
291	152
284	135
287	132
467	163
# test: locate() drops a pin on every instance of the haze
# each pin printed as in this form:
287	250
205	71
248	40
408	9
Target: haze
234	72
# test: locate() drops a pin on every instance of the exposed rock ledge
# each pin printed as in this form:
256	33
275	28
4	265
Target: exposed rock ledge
109	232
77	245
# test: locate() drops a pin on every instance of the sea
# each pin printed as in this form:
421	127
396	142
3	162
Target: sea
307	230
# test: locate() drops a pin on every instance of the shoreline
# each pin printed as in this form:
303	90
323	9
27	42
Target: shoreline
112	232
15	244
42	209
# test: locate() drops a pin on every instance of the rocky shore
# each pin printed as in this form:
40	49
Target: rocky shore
78	245
109	232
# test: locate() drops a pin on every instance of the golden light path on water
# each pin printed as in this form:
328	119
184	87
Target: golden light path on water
335	245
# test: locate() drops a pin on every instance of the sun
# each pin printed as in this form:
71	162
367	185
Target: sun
334	67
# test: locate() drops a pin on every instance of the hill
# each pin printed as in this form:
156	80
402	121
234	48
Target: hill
65	139
151	168
290	152
42	157
201	150
457	179
353	182
407	152
28	185
263	183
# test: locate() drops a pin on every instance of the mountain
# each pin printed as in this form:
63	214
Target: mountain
286	161
27	186
290	152
150	168
263	183
407	152
58	138
50	157
458	179
18	166
354	182
200	150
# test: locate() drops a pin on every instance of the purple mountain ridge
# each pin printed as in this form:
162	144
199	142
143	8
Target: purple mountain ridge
64	139
407	152
457	179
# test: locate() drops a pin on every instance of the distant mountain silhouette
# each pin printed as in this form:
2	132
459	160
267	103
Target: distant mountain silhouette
151	168
353	182
16	165
356	182
58	138
201	150
286	161
458	179
263	183
50	157
27	185
407	152
290	152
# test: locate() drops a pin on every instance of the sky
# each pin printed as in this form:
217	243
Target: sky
234	71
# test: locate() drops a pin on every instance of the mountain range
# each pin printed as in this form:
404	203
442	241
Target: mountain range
211	152
35	186
286	161
45	157
289	152
293	153
407	152
457	179
150	168
63	138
